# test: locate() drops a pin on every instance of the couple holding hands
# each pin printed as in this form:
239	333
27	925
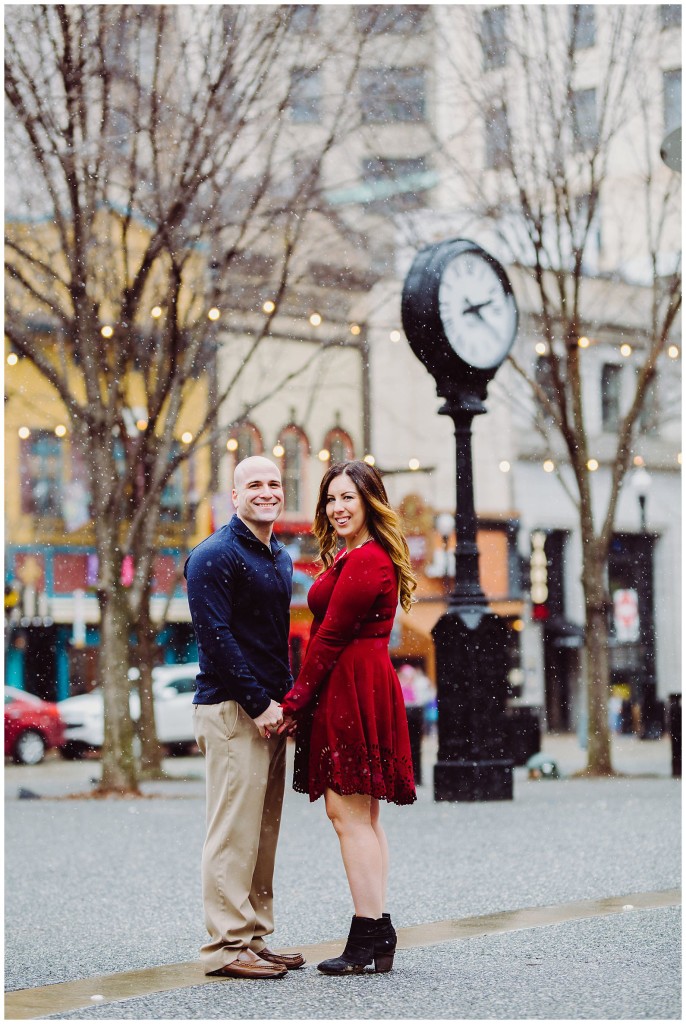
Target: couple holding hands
345	709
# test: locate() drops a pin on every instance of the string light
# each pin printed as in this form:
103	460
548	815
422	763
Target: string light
394	336
141	424
504	466
518	625
355	329
414	464
156	312
24	432
13	359
548	465
278	450
107	331
232	444
370	460
324	455
315	319
60	430
626	349
639	460
541	348
187	437
584	342
213	314
592	465
673	351
268	306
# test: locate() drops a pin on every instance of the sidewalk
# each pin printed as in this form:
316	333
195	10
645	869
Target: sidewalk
504	909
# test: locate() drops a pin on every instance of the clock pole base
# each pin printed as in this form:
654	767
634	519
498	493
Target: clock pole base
465	781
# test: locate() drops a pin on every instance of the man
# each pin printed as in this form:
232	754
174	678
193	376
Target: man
239	592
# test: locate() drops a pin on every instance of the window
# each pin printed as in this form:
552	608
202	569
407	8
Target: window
584	119
303	17
671	98
392	94
295	450
588	230
381	18
582	26
497	140
544	378
248	441
396	184
339	445
648	416
42	469
494	37
172	500
610	395
305	95
670	16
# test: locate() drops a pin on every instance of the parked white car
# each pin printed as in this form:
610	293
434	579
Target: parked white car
173	687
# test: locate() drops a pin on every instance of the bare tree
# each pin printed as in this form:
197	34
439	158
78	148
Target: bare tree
148	156
551	148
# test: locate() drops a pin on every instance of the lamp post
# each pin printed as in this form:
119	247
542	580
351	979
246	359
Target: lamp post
641	483
460	318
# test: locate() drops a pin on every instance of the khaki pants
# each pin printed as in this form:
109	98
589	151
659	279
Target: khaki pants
245	776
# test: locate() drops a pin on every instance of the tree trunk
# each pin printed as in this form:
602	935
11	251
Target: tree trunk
151	751
597	665
119	774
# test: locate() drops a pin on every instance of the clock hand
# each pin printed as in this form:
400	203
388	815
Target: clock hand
475	308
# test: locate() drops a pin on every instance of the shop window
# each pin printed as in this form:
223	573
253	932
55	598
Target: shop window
648	416
494	37
295	451
389	94
172	501
42	474
582	26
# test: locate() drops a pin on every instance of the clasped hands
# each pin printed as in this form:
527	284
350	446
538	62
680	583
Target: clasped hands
272	720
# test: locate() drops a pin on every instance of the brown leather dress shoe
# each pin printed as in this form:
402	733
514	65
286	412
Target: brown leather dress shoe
291	961
249	964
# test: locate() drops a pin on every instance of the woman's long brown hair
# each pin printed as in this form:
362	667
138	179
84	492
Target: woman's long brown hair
383	523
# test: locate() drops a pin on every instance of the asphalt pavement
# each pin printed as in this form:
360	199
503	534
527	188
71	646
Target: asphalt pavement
563	903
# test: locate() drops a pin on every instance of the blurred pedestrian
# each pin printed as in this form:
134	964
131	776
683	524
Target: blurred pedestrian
346	707
239	592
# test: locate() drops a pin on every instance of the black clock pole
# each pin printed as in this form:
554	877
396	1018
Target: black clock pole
471	659
441	306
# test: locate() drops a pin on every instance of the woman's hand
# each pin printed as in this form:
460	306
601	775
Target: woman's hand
288	725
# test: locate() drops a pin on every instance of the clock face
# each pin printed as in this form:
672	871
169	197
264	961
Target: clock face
478	312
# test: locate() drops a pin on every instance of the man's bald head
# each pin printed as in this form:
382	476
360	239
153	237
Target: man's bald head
258	495
254	464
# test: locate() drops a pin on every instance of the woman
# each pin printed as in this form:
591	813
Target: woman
346	706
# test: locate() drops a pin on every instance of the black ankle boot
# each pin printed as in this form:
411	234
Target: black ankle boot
384	944
360	949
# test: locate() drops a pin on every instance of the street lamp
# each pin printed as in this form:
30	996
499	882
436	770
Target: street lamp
641	483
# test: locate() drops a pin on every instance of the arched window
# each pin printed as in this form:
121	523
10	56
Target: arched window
296	448
339	446
245	440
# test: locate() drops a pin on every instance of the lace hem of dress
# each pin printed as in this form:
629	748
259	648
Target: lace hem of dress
372	771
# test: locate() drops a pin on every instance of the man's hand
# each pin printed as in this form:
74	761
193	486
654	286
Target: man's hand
270	718
288	725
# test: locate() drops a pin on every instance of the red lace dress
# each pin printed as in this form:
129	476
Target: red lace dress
352	734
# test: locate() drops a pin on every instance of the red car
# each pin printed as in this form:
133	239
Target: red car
32	726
